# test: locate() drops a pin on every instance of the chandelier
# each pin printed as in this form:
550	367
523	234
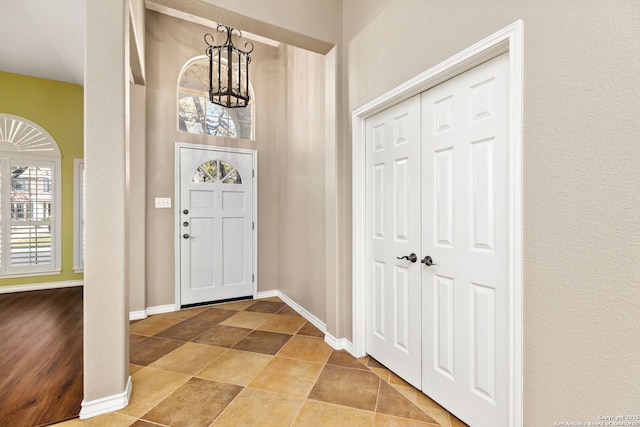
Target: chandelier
228	69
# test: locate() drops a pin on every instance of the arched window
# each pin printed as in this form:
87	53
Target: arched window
30	194
217	171
196	114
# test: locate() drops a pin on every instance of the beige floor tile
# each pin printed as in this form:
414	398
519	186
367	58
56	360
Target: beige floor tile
235	367
288	376
343	358
347	387
151	349
281	323
312	349
373	363
434	410
383	420
245	319
264	306
392	402
455	422
408	391
143	423
259	408
264	342
238	306
152	325
188	359
364	360
184	313
108	420
310	330
213	315
272	299
222	336
196	404
134	368
150	387
396	380
381	372
186	330
315	414
288	311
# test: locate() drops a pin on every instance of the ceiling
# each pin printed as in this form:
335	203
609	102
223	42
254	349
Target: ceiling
43	38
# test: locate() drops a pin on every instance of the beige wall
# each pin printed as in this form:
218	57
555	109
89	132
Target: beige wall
301	237
316	19
581	220
106	108
311	25
172	42
136	196
289	94
581	180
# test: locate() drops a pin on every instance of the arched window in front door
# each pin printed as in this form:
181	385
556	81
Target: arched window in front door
217	171
196	114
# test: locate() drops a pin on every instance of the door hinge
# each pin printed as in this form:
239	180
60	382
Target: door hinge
253	225
253	173
253	278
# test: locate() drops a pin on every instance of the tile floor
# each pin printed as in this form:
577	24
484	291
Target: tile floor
258	363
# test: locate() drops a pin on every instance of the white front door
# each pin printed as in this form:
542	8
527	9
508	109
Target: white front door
215	225
465	158
393	228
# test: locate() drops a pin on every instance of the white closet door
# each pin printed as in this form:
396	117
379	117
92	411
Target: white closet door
393	229
465	158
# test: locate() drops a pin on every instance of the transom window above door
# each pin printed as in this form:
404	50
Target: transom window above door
198	115
217	171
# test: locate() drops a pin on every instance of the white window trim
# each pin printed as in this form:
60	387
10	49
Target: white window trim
48	153
252	103
6	271
78	216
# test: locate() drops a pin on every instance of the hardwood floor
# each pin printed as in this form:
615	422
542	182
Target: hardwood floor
40	356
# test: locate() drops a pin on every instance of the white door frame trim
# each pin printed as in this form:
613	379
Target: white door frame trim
509	39
254	156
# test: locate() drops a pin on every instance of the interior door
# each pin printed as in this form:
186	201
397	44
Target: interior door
465	154
393	228
215	225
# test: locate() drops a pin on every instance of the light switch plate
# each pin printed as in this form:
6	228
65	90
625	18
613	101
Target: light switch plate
163	202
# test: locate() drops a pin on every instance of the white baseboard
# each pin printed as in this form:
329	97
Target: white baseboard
159	309
298	308
40	286
335	343
106	404
137	315
149	311
268	294
339	343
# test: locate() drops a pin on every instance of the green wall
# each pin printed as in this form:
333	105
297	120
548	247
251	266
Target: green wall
58	108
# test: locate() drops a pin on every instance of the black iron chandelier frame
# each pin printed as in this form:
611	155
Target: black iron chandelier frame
228	85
